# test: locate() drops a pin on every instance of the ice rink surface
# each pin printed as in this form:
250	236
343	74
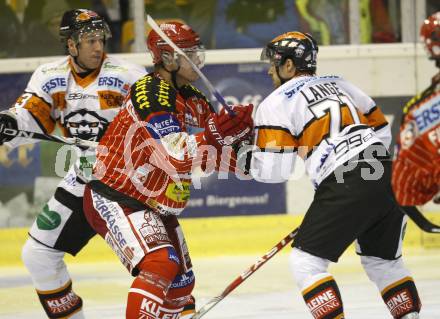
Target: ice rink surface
269	293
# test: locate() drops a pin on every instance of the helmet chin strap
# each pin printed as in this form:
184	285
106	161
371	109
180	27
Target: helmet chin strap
173	75
82	66
282	80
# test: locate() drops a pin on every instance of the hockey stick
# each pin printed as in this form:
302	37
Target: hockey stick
246	274
421	221
46	137
205	80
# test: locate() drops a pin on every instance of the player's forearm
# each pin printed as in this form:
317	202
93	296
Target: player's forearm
268	167
26	122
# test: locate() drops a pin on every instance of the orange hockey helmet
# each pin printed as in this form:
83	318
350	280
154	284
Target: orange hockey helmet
182	35
430	35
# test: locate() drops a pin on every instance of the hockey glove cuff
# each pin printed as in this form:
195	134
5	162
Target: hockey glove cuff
224	129
7	121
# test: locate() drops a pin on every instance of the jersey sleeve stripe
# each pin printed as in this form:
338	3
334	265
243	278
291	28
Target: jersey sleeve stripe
362	117
279	150
59	100
372	110
36	95
275	138
273	127
40	111
376	118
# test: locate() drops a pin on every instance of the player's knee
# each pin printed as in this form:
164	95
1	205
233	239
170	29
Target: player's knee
46	266
147	294
304	265
393	280
41	260
162	262
28	253
384	272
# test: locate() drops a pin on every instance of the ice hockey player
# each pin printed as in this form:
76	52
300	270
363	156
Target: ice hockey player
416	169
143	174
343	138
82	93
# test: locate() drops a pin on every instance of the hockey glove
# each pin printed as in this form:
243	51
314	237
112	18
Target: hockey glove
6	121
224	129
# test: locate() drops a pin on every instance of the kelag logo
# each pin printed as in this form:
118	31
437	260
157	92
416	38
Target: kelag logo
162	125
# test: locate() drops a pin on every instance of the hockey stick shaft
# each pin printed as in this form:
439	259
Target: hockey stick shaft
421	221
245	275
205	80
46	137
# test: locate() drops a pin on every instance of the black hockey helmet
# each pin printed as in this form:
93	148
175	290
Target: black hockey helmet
298	46
76	22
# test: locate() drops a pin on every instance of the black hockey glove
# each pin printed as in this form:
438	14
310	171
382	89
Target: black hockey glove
243	151
6	121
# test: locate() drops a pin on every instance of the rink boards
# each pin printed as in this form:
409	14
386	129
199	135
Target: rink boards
214	236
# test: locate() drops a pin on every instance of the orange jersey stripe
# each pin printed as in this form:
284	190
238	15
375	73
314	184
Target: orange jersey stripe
59	100
376	118
362	117
41	113
275	137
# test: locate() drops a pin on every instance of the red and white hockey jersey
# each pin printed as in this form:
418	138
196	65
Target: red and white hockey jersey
148	154
325	120
416	169
83	107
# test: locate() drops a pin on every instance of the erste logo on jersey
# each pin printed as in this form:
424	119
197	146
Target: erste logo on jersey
162	125
428	115
112	81
53	83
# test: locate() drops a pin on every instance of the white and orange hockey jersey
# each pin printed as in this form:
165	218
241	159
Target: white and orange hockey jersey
325	120
82	107
416	169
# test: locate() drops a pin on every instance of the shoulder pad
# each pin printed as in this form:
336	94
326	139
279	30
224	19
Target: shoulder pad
418	98
150	94
188	91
